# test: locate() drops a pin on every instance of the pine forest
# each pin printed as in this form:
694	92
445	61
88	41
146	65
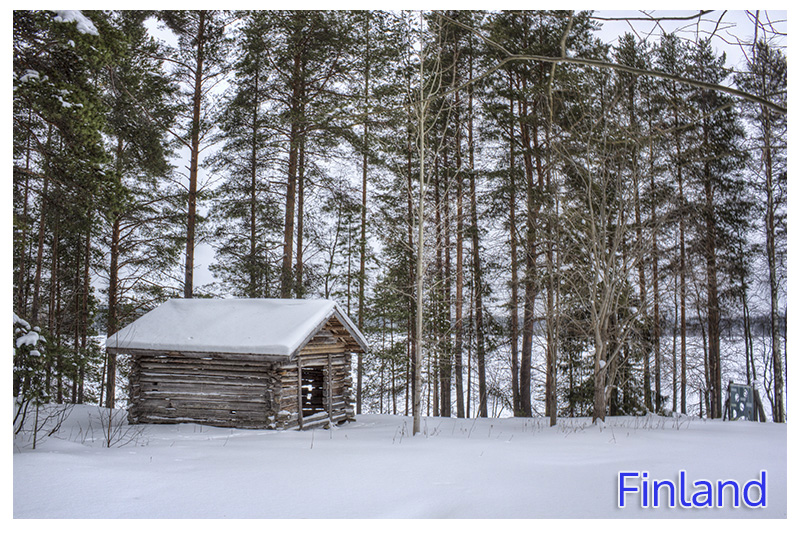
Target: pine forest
525	214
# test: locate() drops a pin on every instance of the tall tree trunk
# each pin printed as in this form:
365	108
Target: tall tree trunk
480	347
112	323
291	182
632	122
76	329
715	378
254	289
421	116
37	278
459	324
54	309
552	318
412	329
746	330
656	317
22	286
529	280
301	184
362	271
512	227
438	290
445	363
778	414
682	270
416	405
191	220
84	315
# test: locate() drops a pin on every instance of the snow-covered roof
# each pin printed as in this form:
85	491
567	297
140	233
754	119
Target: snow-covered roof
249	326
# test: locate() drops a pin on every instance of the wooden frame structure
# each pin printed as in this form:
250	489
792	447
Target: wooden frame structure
307	386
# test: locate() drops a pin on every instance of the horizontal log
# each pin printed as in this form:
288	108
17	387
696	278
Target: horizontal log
339	417
199	371
254	357
201	377
287	402
200	415
291	424
206	361
316	362
316	416
225	423
208	396
328	340
316	424
312	350
161	377
203	410
202	403
246	389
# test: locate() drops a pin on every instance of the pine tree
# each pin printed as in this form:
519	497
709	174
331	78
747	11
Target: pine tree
59	177
715	162
375	55
140	213
671	58
766	77
198	64
246	259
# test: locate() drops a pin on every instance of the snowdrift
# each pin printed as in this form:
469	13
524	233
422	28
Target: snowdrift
374	468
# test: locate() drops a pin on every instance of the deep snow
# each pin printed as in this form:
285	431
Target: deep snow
374	468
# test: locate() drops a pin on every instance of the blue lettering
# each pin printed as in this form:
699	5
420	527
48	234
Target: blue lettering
720	489
704	492
645	499
708	502
762	486
682	491
623	489
664	483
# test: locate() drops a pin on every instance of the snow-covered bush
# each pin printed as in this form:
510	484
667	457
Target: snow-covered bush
29	363
30	390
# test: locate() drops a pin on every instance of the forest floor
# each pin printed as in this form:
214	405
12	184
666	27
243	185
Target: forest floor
374	468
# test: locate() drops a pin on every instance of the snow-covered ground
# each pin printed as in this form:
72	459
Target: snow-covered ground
374	468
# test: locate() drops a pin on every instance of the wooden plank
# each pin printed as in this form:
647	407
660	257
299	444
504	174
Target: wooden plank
236	373
329	379
157	378
166	374
254	357
231	402
217	422
206	416
205	361
317	424
300	392
322	350
322	415
202	389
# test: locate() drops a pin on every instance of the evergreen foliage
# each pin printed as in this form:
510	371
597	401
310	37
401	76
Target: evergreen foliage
588	228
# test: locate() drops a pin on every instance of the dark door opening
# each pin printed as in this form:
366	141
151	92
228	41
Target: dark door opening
313	390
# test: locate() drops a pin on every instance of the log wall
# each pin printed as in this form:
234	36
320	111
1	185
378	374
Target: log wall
241	391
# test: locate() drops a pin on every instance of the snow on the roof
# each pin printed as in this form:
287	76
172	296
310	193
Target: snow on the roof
252	326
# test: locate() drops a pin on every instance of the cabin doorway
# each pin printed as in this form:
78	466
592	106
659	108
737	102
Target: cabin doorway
312	392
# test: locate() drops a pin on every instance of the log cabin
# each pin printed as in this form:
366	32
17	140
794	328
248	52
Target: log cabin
244	363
